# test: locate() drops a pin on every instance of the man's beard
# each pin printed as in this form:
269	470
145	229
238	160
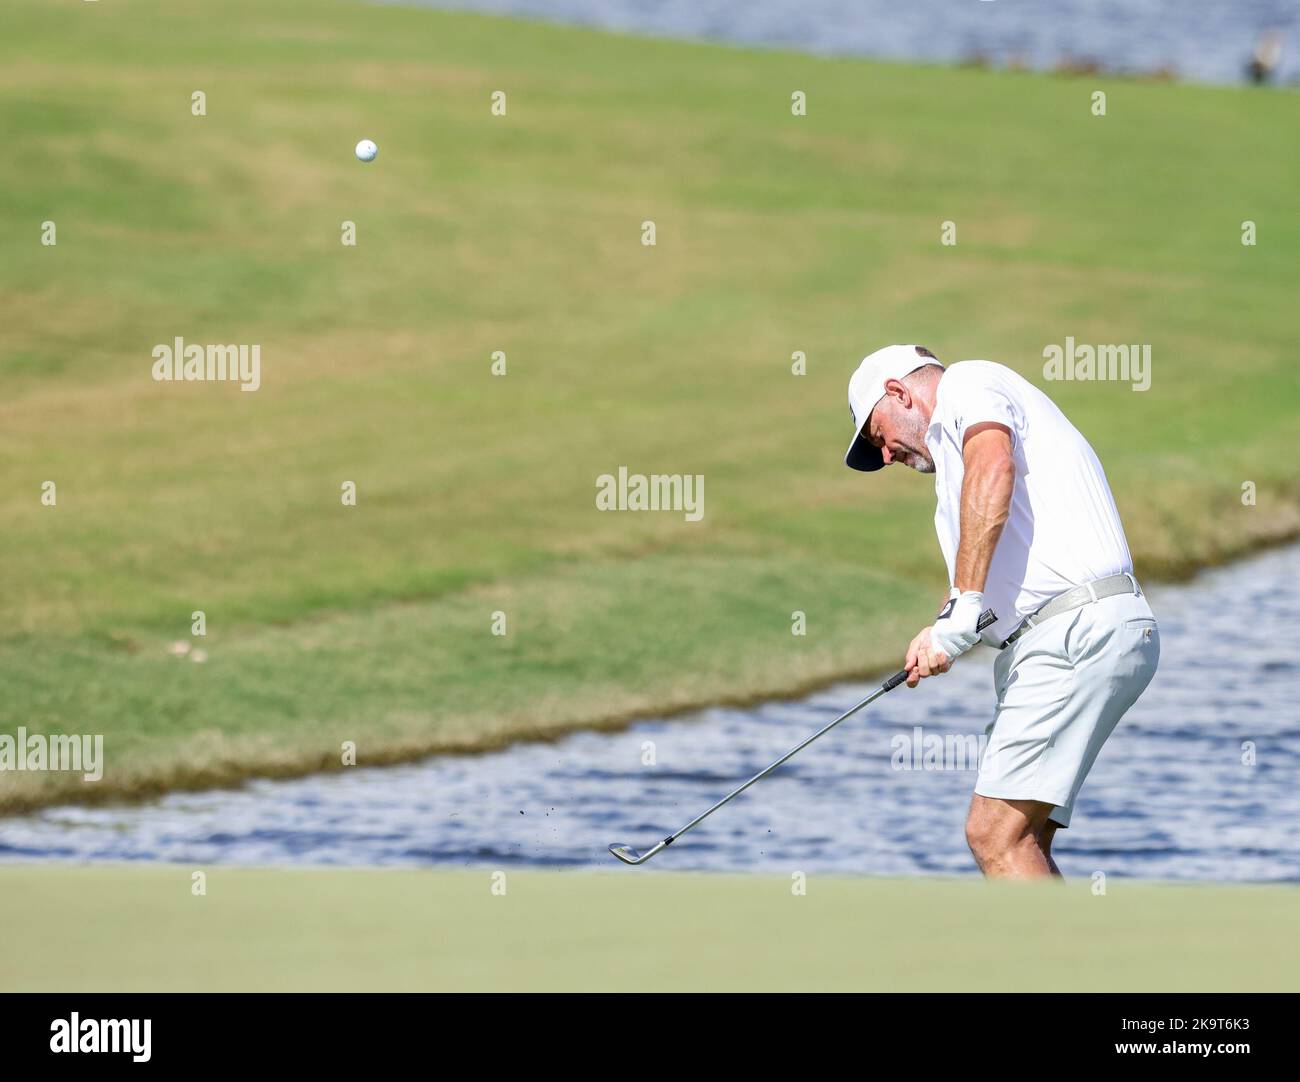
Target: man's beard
918	460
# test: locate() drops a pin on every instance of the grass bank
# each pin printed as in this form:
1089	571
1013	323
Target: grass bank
522	234
119	928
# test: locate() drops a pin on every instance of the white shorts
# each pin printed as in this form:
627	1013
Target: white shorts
1062	688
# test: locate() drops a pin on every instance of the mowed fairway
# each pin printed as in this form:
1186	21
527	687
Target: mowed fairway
139	928
522	234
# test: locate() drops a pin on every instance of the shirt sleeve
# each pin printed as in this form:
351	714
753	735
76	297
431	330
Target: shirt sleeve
980	398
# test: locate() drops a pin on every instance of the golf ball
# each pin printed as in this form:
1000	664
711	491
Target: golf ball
366	150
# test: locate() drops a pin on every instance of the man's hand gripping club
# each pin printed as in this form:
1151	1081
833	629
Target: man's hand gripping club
954	632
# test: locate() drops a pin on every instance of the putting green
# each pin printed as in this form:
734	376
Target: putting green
141	928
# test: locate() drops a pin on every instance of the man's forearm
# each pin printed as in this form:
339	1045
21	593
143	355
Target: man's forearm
989	481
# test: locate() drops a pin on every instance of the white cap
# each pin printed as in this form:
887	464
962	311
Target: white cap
867	387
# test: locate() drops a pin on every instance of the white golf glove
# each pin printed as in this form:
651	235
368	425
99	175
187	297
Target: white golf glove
956	631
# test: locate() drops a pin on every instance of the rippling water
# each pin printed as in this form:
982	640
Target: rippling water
1201	40
1169	798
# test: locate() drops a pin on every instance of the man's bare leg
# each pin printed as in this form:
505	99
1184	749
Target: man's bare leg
1045	837
1004	836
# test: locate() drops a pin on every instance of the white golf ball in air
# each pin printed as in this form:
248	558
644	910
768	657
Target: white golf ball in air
366	150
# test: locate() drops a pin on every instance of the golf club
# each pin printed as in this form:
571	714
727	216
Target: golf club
628	855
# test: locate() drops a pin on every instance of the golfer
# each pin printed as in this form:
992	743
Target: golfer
1028	528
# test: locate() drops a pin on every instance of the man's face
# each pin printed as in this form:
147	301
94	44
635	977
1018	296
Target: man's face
899	433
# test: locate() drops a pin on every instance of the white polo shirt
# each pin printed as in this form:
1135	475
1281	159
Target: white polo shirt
1063	529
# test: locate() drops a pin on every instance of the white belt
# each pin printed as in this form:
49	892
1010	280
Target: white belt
1123	583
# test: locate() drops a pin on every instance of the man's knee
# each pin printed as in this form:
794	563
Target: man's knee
987	835
996	827
978	834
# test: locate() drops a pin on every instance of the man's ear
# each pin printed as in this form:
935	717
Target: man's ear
896	388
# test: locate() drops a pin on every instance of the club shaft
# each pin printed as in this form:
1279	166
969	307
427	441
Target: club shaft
788	755
987	618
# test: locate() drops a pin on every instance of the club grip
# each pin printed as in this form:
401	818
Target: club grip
987	619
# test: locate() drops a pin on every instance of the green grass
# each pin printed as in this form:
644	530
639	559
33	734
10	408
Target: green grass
124	928
521	233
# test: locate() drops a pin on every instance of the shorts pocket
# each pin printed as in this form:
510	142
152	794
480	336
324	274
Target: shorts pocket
1147	634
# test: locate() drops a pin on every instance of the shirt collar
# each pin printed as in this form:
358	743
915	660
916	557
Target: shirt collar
934	431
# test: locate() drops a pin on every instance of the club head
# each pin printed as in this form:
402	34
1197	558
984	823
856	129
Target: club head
628	855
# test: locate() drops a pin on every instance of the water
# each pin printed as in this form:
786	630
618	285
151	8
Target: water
1199	40
1169	798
